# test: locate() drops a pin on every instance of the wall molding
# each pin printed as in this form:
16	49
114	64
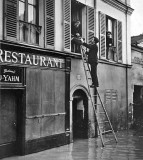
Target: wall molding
120	6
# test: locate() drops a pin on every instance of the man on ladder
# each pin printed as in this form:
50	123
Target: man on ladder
93	59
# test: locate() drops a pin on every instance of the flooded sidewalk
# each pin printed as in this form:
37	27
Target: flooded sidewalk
129	147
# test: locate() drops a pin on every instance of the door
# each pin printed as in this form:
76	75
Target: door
80	115
138	108
8	122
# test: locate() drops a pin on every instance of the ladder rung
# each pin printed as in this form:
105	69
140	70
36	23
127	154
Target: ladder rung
101	112
107	131
109	140
104	122
94	95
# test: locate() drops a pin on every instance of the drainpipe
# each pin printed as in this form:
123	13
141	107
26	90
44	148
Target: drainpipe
126	65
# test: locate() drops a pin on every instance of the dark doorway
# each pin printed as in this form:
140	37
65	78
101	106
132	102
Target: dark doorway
138	107
10	113
80	115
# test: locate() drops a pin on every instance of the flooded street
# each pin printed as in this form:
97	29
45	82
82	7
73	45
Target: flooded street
129	147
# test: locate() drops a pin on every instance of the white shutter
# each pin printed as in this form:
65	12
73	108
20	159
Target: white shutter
90	23
102	29
119	40
67	24
50	23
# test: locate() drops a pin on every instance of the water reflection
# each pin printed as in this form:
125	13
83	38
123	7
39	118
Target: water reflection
129	147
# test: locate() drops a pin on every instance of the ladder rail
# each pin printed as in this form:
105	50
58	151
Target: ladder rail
107	116
100	133
84	58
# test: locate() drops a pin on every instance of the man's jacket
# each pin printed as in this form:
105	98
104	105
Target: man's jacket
92	54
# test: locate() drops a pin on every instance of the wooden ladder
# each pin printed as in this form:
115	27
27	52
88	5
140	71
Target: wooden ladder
102	119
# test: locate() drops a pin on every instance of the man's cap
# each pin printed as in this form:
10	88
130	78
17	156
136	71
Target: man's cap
96	39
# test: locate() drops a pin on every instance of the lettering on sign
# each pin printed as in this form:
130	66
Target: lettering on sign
10	74
31	59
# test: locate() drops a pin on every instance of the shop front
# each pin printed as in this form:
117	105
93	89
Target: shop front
34	100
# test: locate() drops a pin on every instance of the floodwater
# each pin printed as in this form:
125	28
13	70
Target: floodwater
129	147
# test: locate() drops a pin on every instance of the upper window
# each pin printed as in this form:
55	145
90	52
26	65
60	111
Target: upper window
76	24
110	38
21	21
28	28
82	24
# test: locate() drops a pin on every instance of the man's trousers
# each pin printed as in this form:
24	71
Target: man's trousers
94	74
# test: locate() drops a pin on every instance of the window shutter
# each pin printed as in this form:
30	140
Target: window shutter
119	41
11	20
111	101
90	23
50	23
67	24
102	28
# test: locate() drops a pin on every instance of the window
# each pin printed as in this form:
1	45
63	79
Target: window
74	11
21	21
85	17
110	38
28	28
76	24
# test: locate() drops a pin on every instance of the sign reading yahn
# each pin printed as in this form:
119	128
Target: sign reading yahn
9	74
31	59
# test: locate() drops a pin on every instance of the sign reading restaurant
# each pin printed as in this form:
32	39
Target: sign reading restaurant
31	59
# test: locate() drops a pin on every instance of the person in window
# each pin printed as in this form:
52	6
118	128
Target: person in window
75	29
109	38
75	35
108	43
93	59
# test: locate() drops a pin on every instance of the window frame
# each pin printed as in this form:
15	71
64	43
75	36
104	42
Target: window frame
114	39
29	26
116	55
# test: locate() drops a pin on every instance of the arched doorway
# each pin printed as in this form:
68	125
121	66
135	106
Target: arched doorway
80	114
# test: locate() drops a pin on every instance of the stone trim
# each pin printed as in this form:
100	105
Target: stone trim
120	6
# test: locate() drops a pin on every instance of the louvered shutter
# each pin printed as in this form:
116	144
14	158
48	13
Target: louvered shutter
50	23
11	20
102	27
111	101
91	23
67	24
119	41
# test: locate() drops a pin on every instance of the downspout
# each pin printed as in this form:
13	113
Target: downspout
126	66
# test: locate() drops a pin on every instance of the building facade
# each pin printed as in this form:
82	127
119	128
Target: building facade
136	77
44	98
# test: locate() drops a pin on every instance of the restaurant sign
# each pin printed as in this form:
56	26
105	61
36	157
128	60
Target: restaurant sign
13	57
9	74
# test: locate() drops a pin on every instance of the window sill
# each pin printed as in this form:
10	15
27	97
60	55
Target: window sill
114	63
109	61
29	44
